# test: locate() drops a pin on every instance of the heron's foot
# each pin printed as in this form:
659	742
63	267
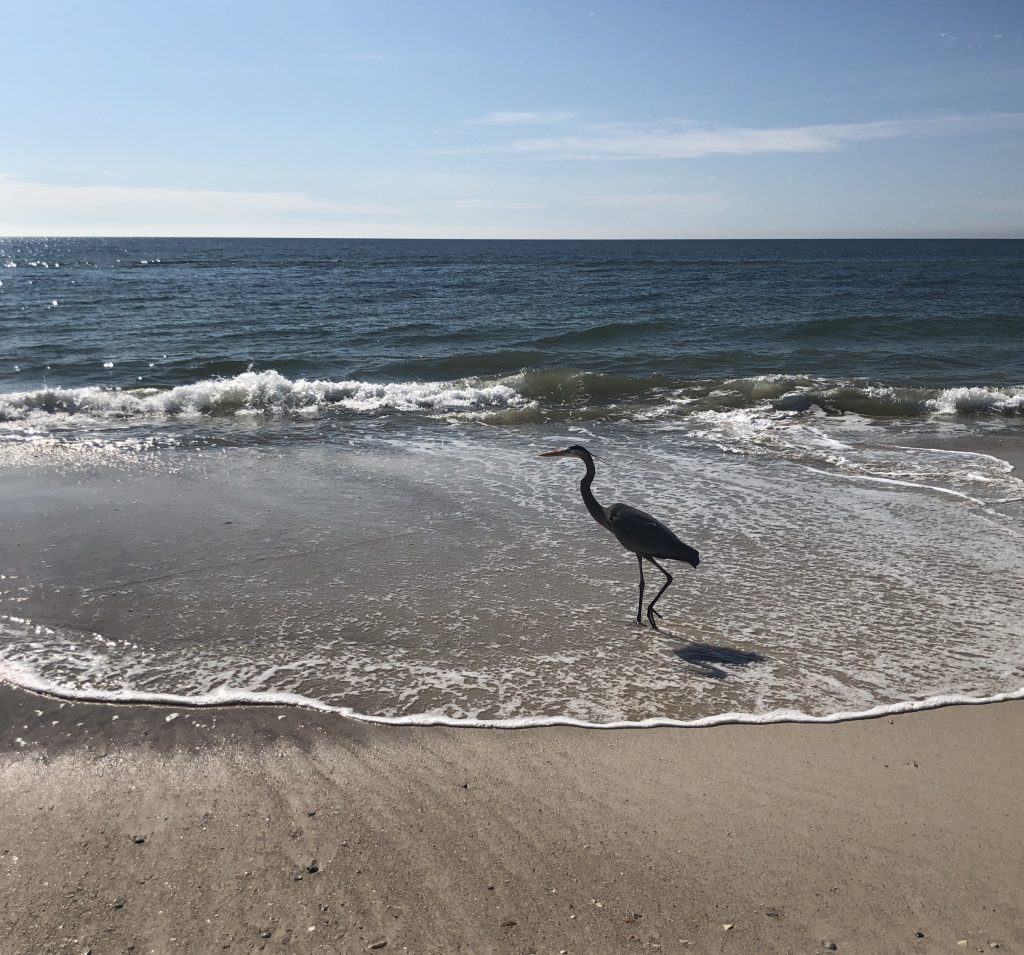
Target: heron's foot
650	616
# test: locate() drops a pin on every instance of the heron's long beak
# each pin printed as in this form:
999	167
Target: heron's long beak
554	454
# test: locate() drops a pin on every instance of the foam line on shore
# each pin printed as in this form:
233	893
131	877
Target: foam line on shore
27	680
957	451
917	487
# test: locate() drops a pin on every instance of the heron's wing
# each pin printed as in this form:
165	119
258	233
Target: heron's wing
642	533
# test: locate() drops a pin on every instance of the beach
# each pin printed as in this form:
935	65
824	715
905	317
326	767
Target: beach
150	829
304	647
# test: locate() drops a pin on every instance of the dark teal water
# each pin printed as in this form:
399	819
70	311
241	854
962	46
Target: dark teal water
161	313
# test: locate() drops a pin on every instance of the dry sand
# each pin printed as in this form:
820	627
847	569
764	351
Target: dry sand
246	829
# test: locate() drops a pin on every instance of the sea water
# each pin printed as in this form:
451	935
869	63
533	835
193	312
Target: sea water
307	471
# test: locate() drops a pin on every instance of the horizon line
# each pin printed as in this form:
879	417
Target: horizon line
498	238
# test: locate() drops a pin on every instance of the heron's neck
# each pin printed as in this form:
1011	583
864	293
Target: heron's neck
596	511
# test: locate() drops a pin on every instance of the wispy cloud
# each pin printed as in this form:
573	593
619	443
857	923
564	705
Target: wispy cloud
524	118
661	201
486	205
35	208
1008	206
689	141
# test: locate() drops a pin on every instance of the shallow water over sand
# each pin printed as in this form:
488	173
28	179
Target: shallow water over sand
452	572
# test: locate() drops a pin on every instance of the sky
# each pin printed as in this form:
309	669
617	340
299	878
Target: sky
535	119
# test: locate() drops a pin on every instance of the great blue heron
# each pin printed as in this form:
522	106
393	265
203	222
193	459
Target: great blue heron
637	531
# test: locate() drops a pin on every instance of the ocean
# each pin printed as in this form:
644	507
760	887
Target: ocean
308	471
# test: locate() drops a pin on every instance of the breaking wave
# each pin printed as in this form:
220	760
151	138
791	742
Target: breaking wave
255	393
549	394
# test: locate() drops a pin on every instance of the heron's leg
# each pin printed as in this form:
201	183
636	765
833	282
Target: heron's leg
640	605
651	612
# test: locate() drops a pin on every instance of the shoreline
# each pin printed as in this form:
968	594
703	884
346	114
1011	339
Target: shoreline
263	827
29	683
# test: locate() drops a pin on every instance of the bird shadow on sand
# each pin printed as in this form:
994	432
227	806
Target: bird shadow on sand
710	659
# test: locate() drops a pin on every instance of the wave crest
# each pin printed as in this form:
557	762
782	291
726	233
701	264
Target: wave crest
265	392
532	394
1006	401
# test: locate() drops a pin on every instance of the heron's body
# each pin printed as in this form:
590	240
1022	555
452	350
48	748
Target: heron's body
646	536
634	529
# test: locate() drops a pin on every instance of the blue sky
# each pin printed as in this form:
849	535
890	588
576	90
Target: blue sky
555	119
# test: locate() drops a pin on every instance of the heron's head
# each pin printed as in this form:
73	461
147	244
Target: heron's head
573	451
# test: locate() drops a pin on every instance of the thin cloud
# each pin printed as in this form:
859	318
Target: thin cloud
694	142
35	208
525	118
661	201
1015	206
486	205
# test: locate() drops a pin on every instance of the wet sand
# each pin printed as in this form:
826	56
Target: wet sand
130	828
1005	442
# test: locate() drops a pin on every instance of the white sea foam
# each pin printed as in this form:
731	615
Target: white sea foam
844	448
803	394
908	484
252	393
751	401
978	401
26	679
